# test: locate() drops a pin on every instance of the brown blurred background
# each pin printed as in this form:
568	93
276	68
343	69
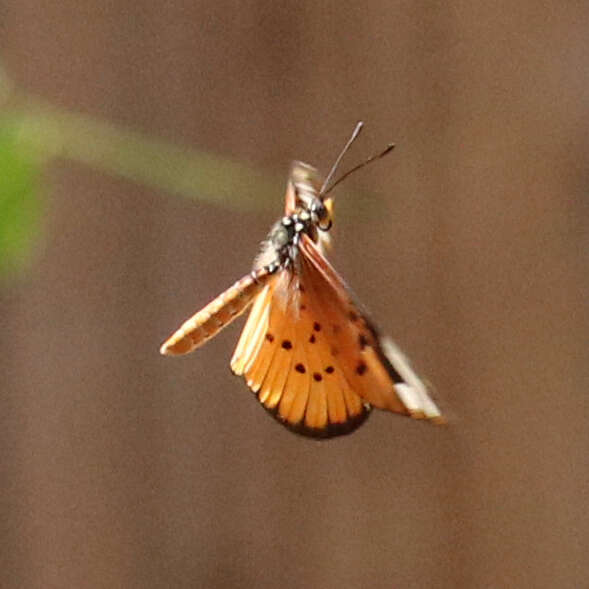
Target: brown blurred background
122	468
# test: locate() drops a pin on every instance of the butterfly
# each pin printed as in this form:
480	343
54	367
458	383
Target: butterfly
308	350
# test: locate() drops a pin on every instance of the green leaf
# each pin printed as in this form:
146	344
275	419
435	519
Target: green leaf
19	201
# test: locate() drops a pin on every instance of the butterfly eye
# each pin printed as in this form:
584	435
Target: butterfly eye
319	210
321	214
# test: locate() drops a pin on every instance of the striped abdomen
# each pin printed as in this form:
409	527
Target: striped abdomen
217	314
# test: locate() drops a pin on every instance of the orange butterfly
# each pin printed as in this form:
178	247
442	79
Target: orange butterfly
307	350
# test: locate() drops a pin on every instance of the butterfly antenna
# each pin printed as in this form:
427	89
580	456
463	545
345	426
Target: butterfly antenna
341	155
388	149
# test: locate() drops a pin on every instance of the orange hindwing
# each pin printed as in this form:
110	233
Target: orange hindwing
288	362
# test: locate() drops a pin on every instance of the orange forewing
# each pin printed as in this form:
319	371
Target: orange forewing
382	379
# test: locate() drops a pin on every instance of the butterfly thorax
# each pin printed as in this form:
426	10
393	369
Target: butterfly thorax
307	213
281	246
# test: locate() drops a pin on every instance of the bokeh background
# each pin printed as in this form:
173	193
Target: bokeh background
144	151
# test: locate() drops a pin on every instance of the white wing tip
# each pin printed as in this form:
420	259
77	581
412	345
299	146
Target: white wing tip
412	393
418	403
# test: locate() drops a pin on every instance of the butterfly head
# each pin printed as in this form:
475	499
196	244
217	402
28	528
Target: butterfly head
308	209
304	197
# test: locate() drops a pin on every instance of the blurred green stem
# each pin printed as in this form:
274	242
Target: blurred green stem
33	132
51	132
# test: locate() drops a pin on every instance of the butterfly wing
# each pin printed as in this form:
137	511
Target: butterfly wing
374	367
217	314
303	184
307	351
287	362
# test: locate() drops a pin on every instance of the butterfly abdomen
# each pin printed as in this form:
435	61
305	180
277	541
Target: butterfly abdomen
217	314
